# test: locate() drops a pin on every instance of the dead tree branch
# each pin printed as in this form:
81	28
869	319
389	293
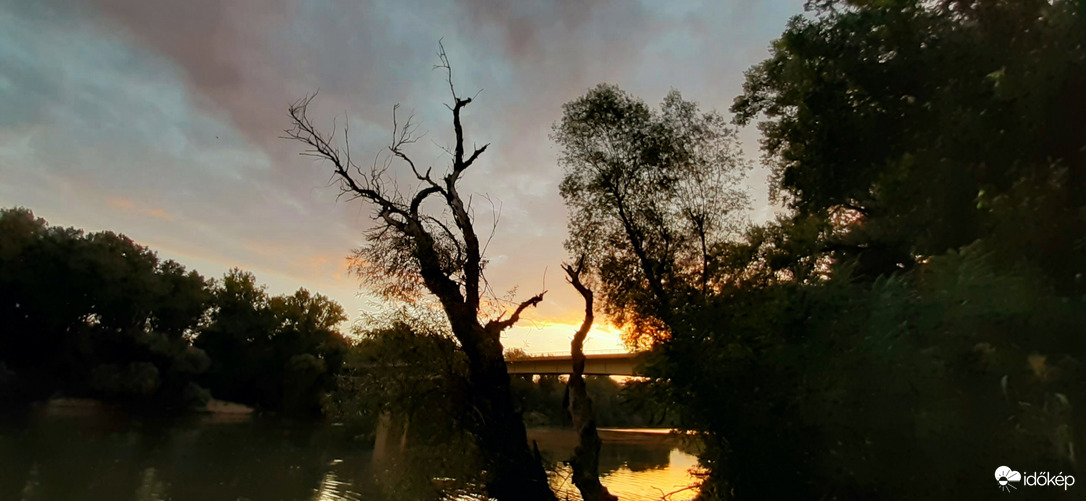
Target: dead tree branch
412	245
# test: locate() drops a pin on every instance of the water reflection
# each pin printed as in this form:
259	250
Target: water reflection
333	489
634	464
49	454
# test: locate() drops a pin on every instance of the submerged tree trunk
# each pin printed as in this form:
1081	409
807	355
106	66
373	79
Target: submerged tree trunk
513	471
586	456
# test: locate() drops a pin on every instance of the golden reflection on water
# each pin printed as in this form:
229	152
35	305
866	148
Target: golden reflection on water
333	489
672	482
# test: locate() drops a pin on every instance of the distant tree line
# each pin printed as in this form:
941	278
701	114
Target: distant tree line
97	315
541	401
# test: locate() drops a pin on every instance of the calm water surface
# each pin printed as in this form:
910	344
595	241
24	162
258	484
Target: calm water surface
58	453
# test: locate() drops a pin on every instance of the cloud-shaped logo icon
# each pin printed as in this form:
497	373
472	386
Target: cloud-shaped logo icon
1004	475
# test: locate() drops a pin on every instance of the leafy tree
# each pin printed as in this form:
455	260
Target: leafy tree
934	124
402	369
847	353
96	315
653	194
278	353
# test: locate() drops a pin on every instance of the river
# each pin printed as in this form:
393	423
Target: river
69	453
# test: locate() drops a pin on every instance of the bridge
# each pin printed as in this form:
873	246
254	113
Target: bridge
391	433
596	364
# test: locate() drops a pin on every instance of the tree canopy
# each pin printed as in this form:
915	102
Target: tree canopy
653	195
936	123
95	314
919	310
275	352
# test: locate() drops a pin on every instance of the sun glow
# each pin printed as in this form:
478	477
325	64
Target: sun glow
543	336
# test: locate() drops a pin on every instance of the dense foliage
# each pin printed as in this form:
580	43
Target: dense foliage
94	314
98	315
914	321
900	386
938	123
280	352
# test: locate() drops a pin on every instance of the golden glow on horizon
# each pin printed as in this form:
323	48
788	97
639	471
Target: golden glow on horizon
328	273
127	205
544	336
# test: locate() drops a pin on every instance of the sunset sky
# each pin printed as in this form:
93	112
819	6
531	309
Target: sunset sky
162	120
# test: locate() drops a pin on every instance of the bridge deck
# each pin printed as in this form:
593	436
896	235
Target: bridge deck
606	364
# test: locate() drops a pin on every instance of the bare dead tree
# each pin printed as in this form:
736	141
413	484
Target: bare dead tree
438	251
586	456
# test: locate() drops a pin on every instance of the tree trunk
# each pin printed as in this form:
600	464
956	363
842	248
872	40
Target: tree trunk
513	472
586	456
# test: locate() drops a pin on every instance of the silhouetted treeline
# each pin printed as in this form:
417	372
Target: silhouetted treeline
543	402
274	352
97	315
